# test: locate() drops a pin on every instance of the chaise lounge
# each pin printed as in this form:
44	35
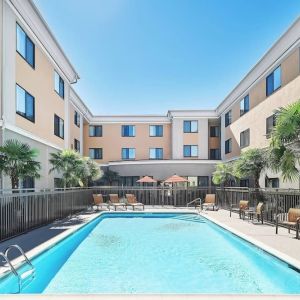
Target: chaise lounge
115	201
98	201
131	201
243	206
293	220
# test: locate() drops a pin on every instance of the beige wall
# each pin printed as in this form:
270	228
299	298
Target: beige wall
74	129
39	82
112	142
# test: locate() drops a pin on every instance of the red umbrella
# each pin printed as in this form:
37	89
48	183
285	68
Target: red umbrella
175	178
146	179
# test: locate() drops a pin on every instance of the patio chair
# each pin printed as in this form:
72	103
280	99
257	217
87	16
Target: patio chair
256	212
115	201
98	201
209	202
293	220
131	201
243	205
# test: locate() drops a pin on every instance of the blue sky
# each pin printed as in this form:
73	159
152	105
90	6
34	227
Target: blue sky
148	56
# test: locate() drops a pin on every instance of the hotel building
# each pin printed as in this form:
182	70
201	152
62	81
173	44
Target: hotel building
40	107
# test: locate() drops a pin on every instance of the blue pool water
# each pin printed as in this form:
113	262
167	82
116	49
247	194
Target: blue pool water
157	253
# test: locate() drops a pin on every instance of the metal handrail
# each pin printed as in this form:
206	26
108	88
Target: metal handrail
21	251
194	201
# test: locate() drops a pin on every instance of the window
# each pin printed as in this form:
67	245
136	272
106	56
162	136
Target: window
76	145
203	181
76	118
156	130
96	153
244	105
214	131
190	150
95	130
128	130
128	153
244	183
129	180
58	126
228	118
245	138
25	46
273	81
156	153
25	104
272	182
228	146
190	126
59	85
215	154
28	183
270	123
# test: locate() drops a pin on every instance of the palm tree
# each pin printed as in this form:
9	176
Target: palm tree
17	160
223	174
250	164
110	176
90	171
69	164
284	150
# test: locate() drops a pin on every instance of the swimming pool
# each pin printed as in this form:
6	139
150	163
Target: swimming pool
157	253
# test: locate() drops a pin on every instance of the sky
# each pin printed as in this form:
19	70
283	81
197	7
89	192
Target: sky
151	56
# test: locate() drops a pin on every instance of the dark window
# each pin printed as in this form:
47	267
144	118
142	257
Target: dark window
129	180
58	183
156	153
244	183
228	118
203	181
128	153
273	81
76	118
244	105
156	130
190	150
190	126
215	154
25	47
95	130
25	104
270	124
58	126
59	85
76	145
28	183
214	131
96	153
228	146
245	138
128	130
272	182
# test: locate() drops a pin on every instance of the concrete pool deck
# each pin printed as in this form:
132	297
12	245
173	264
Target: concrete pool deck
283	245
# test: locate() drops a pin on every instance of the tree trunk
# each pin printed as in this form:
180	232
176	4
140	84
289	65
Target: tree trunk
14	182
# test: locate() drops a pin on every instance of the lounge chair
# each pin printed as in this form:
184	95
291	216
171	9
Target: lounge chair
293	220
98	201
209	202
256	212
131	201
243	206
115	201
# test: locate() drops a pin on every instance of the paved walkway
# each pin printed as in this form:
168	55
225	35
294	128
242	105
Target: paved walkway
283	244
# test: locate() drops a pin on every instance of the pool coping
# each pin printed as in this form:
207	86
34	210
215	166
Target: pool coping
270	250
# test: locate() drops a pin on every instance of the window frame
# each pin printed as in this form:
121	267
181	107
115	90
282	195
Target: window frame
243	108
190	151
218	156
228	118
60	79
190	126
123	131
101	131
242	138
156	151
77	118
269	130
129	158
76	142
272	82
60	119
33	101
229	148
27	38
159	135
214	131
94	156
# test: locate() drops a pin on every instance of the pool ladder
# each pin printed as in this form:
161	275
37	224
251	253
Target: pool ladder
25	277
